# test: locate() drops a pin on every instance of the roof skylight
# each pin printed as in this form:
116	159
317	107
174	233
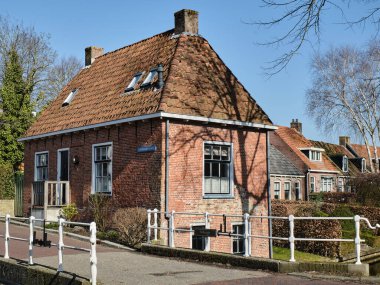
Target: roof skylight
70	97
133	82
150	77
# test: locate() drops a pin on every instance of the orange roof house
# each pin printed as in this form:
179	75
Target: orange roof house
162	123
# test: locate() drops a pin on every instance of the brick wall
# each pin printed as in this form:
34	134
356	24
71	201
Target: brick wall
292	180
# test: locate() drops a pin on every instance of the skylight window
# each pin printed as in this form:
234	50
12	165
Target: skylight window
70	97
133	82
150	77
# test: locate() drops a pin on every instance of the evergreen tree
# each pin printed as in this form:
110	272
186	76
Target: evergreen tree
16	108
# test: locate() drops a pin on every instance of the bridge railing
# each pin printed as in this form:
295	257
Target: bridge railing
60	245
155	224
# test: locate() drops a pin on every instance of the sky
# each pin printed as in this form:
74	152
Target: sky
76	24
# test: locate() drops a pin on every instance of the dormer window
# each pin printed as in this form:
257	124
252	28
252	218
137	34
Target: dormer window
364	166
149	78
313	153
70	97
345	164
134	81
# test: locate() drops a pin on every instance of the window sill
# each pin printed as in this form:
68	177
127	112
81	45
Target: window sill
218	196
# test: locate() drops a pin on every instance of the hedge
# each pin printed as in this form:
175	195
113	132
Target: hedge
7	182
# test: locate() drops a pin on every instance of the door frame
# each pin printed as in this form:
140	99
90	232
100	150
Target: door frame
59	163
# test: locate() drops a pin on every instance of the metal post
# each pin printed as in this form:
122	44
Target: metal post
93	258
60	245
148	227
357	239
207	226
155	223
246	235
7	237
171	229
291	238
31	228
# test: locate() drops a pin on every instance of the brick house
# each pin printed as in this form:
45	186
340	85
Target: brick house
319	171
161	123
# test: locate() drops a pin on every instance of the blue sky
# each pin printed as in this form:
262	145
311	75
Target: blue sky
76	24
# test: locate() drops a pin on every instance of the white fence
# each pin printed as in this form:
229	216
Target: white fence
153	220
60	245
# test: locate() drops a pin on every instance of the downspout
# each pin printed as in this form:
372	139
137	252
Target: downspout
307	185
269	199
167	169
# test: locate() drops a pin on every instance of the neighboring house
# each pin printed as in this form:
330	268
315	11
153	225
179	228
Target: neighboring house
320	173
287	181
161	123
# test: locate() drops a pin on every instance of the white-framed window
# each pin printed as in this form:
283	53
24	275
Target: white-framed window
340	185
41	164
287	189
364	166
238	245
277	190
297	188
149	78
217	172
345	164
198	242
315	155
102	168
312	184
70	97
132	84
326	184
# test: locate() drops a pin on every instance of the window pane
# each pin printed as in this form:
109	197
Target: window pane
225	153
224	170
207	169
207	152
208	185
224	185
215	169
216	152
215	185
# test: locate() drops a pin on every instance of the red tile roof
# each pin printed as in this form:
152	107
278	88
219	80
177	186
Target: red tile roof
197	83
361	151
295	141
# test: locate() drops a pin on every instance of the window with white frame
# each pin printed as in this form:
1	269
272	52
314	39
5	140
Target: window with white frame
238	241
315	155
41	166
198	242
312	184
102	168
364	167
70	97
149	78
345	164
340	185
297	186
326	184
287	190
277	190
217	169
132	84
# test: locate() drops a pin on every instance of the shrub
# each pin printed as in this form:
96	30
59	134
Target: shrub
69	211
131	224
367	188
7	182
101	208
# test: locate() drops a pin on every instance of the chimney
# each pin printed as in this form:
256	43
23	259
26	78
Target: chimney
295	124
344	140
91	53
186	21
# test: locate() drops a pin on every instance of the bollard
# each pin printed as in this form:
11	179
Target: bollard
60	245
31	229
7	237
171	229
155	211
148	227
93	258
357	239
246	235
291	238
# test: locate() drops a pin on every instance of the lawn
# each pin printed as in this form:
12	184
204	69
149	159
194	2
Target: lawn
284	254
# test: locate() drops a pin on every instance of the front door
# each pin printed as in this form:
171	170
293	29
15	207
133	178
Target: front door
63	174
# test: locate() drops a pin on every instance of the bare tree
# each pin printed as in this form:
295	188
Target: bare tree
345	93
302	20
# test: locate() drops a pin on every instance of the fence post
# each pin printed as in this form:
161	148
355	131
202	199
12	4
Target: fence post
148	228
291	238
7	237
246	235
171	229
93	258
60	245
357	239
155	223
31	225
207	226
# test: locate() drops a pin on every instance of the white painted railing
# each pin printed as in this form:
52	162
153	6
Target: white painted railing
246	218
60	246
50	193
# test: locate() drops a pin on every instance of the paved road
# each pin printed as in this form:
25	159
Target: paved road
127	267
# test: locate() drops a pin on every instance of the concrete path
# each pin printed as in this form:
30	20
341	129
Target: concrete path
117	266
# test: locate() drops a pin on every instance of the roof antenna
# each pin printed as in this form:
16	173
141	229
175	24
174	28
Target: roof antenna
160	82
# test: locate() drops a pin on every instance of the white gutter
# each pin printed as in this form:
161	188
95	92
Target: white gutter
152	116
323	171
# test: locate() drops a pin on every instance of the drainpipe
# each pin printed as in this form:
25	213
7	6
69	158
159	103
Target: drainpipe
307	185
167	212
269	198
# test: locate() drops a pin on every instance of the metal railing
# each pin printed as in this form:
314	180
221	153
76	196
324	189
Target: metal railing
60	245
247	236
